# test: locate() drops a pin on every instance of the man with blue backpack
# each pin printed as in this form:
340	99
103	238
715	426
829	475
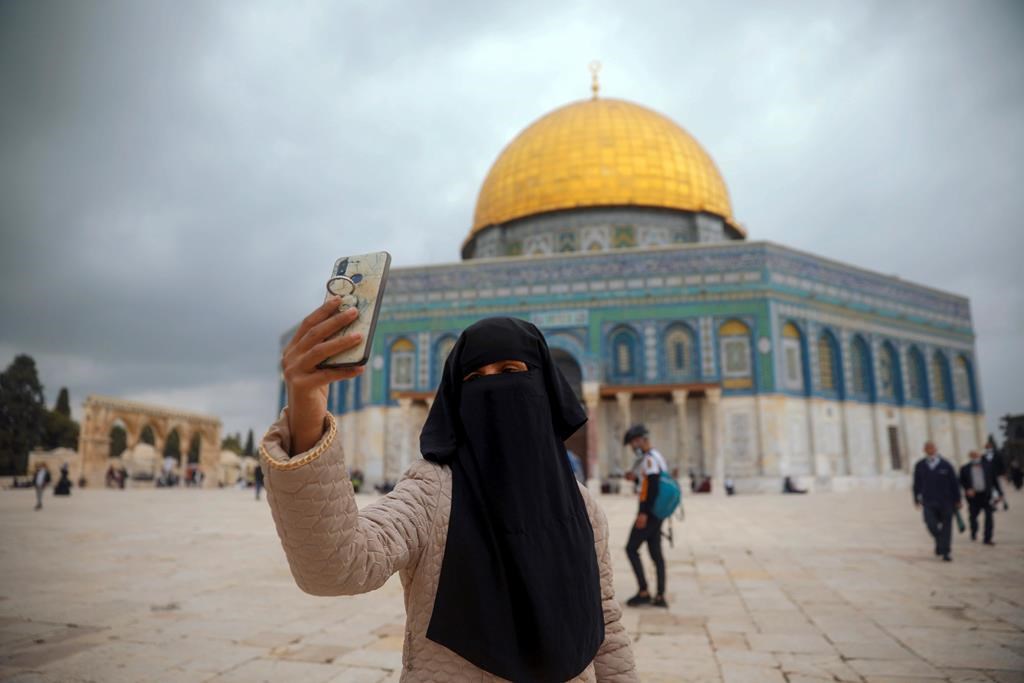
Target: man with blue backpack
659	497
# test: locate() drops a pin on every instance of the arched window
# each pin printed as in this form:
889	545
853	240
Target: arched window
792	357
679	350
940	381
734	349
917	381
860	366
828	363
624	354
962	384
442	351
889	384
403	362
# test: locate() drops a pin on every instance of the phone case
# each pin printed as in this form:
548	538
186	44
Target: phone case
369	275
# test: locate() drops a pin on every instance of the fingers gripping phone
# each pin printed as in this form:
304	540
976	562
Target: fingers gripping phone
359	281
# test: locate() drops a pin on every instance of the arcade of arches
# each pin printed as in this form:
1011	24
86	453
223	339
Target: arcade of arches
102	413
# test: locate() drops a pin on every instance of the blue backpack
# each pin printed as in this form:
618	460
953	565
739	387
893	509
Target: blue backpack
669	495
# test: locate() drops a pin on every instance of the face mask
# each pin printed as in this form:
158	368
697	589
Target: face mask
638	451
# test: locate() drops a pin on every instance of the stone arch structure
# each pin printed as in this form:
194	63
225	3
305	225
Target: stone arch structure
101	412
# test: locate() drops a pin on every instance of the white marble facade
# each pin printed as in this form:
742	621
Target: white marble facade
755	440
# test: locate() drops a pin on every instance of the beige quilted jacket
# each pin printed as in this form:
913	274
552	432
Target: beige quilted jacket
334	548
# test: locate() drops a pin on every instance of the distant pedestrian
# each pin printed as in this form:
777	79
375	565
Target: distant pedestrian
647	527
1016	475
258	480
983	491
40	481
63	487
994	458
937	491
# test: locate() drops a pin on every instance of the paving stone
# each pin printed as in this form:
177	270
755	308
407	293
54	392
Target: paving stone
775	642
744	673
176	585
276	670
894	667
872	650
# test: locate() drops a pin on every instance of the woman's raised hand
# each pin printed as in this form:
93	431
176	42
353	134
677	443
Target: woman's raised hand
308	385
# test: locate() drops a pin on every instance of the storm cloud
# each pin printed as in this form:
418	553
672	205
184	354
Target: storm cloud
177	178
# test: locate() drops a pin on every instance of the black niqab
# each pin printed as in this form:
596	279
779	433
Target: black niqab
519	593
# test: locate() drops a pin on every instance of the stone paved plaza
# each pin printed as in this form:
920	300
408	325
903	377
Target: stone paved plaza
187	585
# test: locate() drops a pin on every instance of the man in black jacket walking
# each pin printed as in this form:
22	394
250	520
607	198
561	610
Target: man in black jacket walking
979	481
937	491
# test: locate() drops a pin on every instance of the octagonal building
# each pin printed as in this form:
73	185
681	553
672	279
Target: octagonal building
609	227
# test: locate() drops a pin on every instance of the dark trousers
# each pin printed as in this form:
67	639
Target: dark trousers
651	535
939	520
39	497
981	501
258	486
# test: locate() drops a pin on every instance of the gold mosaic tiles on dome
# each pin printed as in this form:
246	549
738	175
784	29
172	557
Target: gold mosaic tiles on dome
600	152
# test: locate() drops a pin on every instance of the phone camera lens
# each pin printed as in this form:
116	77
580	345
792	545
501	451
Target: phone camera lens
357	278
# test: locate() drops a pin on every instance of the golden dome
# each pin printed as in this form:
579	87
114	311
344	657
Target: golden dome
600	152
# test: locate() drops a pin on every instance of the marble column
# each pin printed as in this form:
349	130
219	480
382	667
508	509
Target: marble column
714	439
209	462
682	433
624	399
405	417
592	399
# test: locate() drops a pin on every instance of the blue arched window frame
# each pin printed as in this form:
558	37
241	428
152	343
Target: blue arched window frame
888	355
624	345
943	381
672	348
437	361
971	402
917	378
827	337
794	363
862	385
401	362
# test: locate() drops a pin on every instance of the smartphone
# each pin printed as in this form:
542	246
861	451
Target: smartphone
360	281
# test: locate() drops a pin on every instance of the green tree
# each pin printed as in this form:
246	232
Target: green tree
63	406
232	442
173	446
59	432
59	429
118	441
22	414
193	448
250	449
147	436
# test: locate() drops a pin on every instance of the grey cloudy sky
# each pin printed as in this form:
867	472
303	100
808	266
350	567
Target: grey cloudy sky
177	178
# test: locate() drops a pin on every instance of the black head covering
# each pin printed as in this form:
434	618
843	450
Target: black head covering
519	593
